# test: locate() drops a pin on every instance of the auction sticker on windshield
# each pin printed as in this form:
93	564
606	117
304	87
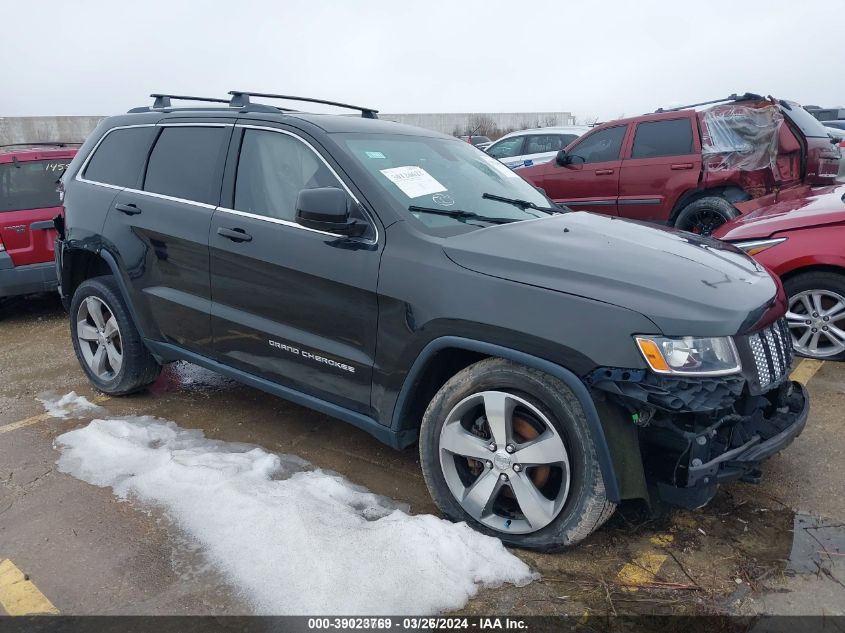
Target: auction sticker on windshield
413	181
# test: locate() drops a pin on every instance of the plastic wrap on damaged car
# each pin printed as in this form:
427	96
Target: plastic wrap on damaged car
740	137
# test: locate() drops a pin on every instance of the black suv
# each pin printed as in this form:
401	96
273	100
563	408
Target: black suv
550	364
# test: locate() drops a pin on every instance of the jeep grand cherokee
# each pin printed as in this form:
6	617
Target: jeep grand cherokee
550	364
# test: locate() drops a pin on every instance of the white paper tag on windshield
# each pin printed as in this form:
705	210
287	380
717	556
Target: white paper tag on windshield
413	181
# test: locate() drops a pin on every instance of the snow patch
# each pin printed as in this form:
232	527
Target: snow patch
68	405
293	540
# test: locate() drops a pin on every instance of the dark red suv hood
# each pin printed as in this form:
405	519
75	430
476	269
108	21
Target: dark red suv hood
819	206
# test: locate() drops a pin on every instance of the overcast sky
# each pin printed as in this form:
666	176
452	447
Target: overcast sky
603	59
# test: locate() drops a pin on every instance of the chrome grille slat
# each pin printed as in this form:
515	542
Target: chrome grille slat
772	352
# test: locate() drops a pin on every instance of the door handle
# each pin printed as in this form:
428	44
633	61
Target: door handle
681	166
604	172
236	235
128	209
42	225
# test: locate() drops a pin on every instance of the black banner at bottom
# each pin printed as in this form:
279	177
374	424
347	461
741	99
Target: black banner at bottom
483	624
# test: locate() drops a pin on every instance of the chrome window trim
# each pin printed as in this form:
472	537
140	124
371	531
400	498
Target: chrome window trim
289	223
204	205
162	196
279	221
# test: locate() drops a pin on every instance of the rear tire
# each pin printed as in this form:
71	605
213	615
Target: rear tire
543	414
107	345
704	215
819	293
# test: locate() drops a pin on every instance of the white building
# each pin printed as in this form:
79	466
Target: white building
466	122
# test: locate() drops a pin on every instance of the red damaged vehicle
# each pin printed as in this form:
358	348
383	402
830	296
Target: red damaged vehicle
692	169
800	235
28	203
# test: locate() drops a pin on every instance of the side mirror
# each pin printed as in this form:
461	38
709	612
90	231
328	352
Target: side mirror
563	158
327	209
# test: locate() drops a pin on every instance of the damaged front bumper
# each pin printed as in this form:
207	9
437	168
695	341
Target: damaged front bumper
695	433
764	433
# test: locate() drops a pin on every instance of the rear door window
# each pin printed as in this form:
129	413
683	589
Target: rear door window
601	146
540	143
119	158
185	163
663	138
30	184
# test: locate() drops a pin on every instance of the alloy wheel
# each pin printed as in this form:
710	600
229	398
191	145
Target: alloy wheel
504	462
705	221
99	338
817	323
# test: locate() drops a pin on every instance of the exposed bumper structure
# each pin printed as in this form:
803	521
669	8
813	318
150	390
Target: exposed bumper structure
24	280
768	436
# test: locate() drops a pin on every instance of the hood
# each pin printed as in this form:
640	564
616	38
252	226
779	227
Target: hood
810	207
686	284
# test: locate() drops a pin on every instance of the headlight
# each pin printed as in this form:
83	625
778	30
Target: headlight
752	247
689	355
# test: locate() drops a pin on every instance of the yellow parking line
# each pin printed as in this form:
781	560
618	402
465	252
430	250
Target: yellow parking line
641	570
805	370
35	419
20	596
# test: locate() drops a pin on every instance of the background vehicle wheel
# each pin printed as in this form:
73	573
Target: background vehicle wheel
507	449
816	314
703	216
108	346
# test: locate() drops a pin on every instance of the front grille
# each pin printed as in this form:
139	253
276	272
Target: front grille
771	349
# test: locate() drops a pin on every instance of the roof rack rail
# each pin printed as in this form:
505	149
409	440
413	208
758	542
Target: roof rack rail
748	96
44	143
240	98
162	101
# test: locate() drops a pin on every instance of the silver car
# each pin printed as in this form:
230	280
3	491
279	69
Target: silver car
534	147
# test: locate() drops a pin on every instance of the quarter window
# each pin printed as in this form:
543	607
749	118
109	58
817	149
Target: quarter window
507	148
119	158
185	163
663	138
272	169
601	146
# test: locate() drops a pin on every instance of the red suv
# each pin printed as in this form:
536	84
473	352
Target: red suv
28	203
691	168
801	238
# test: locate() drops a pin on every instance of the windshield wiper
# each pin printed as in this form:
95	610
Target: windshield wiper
522	204
461	215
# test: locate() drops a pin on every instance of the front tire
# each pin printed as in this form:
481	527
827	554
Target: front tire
107	345
507	449
816	314
705	215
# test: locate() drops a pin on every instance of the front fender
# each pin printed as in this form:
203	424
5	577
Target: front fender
567	377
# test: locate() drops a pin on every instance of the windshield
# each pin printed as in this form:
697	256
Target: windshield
449	177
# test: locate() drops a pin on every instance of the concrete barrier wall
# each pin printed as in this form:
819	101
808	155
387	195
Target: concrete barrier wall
32	129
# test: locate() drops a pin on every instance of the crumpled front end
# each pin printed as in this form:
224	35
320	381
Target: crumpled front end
698	432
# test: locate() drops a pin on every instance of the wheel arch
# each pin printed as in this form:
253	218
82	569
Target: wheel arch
837	268
462	352
80	264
